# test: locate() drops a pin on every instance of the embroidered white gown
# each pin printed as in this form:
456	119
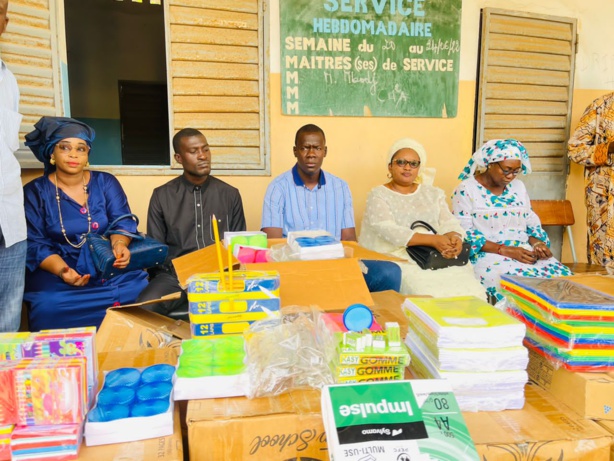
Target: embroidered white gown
386	229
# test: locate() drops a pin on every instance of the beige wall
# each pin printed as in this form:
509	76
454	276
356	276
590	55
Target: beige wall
357	146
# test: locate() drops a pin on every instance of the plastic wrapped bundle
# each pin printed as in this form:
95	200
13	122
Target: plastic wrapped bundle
283	354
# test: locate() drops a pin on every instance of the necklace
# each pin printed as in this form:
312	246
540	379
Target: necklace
89	218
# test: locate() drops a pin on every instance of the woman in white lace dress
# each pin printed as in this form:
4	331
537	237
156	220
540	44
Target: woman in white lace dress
391	210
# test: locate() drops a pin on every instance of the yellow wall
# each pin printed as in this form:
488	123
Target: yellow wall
357	146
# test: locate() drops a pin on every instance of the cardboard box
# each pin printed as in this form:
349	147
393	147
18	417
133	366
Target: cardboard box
126	328
609	426
544	429
387	308
331	284
285	427
169	448
589	394
290	427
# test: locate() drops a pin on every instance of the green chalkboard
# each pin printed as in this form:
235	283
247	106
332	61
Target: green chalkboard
396	58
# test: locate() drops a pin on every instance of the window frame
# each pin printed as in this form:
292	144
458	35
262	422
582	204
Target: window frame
62	98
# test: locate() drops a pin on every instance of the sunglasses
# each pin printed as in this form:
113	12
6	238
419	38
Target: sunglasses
401	162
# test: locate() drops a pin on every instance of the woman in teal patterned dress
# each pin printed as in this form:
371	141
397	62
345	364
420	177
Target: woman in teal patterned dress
495	210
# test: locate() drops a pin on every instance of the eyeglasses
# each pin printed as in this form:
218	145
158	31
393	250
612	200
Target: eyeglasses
67	148
307	149
509	172
413	164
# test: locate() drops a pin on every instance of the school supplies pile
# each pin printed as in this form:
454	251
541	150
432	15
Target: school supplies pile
314	244
247	246
218	308
47	381
392	421
227	303
133	404
283	354
53	442
374	354
567	323
211	369
473	345
5	441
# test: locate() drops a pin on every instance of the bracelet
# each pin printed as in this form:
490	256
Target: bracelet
499	250
539	244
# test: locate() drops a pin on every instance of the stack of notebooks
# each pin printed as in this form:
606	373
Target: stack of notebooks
316	244
47	382
568	323
415	420
473	345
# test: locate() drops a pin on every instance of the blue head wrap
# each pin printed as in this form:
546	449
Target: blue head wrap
497	150
48	131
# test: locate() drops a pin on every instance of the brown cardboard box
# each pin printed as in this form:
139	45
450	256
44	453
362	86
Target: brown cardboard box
279	428
290	427
331	284
589	394
608	426
200	261
544	429
169	448
134	328
387	308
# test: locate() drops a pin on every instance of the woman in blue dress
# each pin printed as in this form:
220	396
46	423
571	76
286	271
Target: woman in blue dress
69	201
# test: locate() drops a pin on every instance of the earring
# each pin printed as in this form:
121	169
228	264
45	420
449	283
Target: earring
87	165
389	175
52	161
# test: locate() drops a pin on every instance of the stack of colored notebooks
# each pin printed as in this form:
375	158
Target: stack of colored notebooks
47	382
568	323
53	443
473	345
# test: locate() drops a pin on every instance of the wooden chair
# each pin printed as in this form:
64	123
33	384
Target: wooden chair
560	213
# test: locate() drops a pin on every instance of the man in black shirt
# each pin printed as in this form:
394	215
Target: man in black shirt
180	215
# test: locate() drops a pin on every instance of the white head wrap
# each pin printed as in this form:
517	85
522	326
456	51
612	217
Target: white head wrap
425	175
496	150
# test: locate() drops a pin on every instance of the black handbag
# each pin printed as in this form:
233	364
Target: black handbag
429	258
145	252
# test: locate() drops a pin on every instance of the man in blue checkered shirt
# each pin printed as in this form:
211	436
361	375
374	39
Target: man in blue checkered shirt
308	198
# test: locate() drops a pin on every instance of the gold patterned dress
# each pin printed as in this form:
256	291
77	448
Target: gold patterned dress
588	146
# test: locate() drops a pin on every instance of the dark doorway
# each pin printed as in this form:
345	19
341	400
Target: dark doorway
143	114
109	42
